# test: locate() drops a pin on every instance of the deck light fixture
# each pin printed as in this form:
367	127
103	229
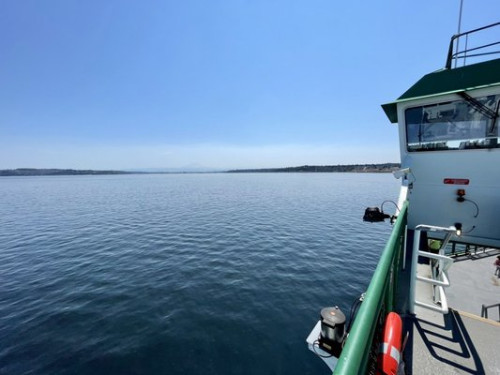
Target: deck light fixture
374	215
458	227
332	330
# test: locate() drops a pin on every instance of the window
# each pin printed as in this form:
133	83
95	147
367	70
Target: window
469	123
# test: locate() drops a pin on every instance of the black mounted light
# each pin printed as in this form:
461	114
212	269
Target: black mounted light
374	215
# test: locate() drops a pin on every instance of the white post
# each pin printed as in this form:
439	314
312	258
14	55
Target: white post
413	282
404	247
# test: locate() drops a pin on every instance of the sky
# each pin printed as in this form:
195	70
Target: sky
219	84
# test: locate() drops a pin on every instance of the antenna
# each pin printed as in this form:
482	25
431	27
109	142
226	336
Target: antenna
459	27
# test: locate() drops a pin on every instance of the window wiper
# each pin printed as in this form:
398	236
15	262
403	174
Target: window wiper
481	108
478	106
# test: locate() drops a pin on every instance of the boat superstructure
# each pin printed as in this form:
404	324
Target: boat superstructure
437	270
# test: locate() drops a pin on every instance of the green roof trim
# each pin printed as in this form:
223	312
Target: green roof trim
448	81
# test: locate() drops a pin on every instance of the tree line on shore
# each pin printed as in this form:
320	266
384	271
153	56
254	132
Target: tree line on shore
354	168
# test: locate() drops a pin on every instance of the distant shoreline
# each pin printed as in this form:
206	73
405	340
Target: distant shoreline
55	172
352	168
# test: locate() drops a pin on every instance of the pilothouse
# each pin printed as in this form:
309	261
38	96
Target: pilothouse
433	305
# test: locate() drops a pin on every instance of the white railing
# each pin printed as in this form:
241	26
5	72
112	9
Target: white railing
440	264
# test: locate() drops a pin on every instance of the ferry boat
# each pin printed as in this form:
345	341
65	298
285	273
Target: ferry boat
433	304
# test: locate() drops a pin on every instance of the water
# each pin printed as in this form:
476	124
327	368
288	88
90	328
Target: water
176	274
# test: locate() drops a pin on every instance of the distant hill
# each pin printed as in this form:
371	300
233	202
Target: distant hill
54	172
354	168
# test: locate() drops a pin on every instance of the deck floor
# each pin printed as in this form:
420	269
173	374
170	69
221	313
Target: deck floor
460	342
456	343
473	283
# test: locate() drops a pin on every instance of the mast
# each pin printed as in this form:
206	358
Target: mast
459	27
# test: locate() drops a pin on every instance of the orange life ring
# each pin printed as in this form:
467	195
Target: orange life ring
390	349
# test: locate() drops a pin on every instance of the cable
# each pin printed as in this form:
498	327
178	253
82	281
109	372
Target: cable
389	201
475	204
470	230
354	309
316	344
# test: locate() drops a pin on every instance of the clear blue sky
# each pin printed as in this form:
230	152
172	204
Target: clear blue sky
119	84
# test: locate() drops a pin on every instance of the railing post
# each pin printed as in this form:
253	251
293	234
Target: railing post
414	262
484	312
404	246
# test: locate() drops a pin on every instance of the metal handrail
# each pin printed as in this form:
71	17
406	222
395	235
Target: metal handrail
440	280
463	54
441	284
444	303
484	310
379	299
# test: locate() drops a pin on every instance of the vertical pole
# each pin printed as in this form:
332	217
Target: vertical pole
404	246
458	33
414	263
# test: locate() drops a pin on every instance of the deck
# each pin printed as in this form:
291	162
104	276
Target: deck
460	342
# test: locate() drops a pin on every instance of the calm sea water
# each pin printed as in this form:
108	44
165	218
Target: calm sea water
177	274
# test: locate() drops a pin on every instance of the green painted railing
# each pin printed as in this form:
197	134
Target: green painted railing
379	299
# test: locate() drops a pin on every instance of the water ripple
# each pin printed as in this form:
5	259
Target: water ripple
216	273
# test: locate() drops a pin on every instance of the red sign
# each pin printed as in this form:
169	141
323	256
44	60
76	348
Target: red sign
456	181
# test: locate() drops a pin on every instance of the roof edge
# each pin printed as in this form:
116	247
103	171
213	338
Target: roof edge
444	82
